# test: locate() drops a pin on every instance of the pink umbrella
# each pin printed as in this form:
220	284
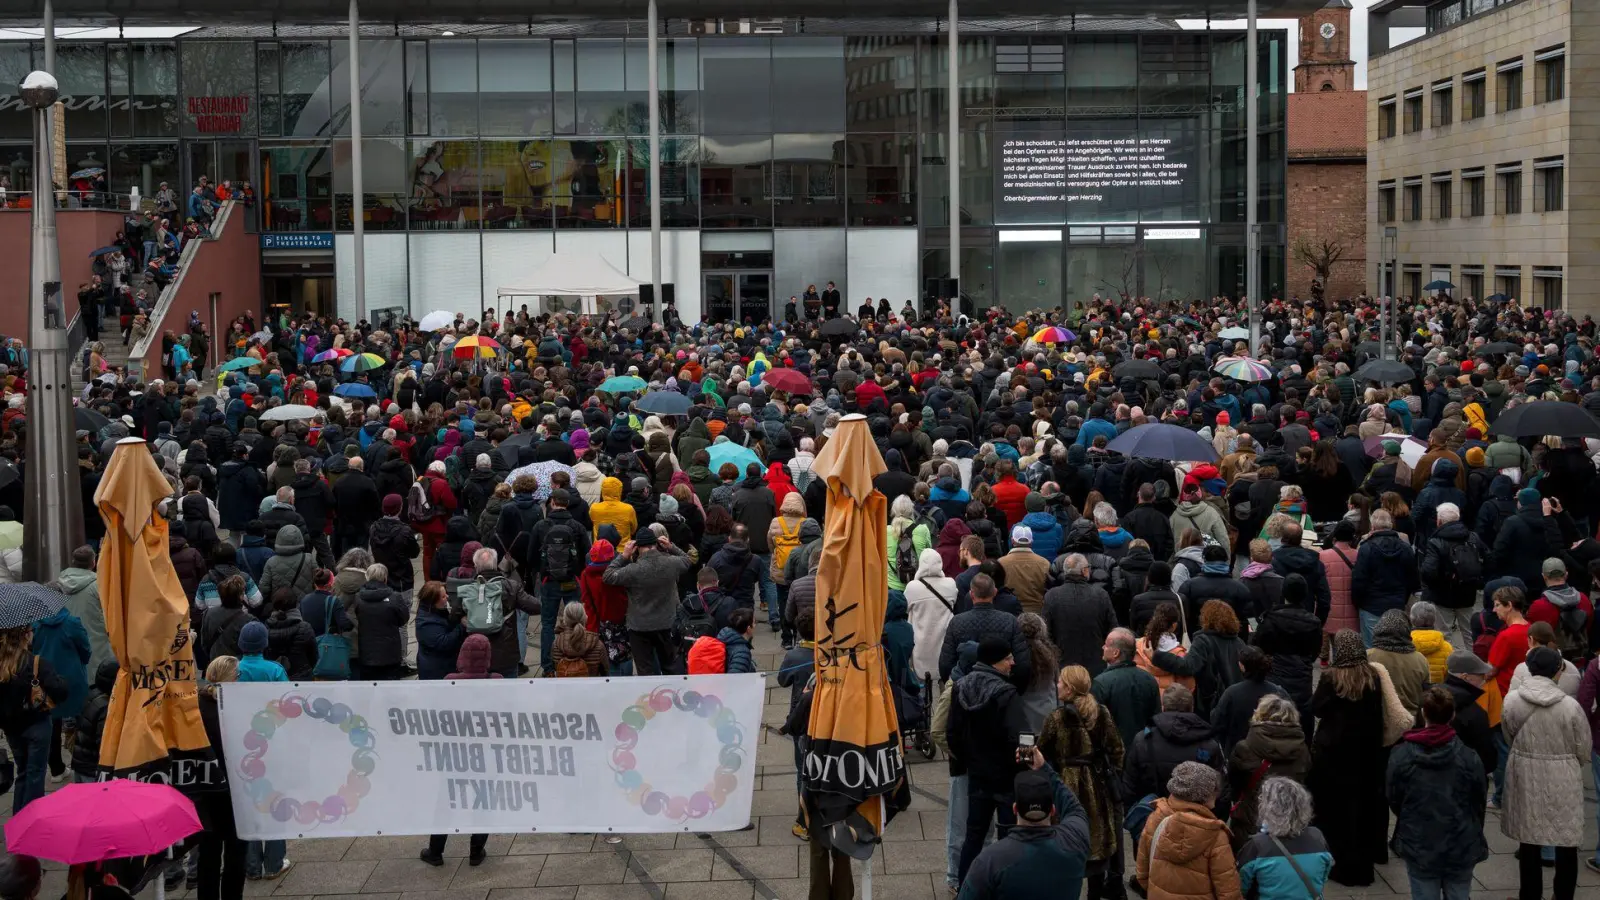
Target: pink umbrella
84	823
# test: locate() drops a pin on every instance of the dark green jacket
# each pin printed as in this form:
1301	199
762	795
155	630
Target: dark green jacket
1131	694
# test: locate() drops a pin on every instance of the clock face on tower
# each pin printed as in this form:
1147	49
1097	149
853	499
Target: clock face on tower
1327	30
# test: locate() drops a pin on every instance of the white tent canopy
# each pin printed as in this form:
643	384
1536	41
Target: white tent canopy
574	275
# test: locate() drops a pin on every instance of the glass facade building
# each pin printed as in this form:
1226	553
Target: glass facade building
1089	161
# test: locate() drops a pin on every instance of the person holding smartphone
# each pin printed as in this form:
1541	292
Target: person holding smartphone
1044	857
986	730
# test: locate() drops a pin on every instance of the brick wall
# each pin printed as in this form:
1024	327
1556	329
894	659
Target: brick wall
1328	201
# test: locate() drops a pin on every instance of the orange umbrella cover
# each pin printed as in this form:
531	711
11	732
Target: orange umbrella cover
855	750
153	729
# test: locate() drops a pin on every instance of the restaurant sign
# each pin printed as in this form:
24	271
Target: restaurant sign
219	115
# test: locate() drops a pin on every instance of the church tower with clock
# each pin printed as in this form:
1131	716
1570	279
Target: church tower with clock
1325	63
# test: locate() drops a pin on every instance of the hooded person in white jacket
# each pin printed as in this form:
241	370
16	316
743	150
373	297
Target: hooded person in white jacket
931	599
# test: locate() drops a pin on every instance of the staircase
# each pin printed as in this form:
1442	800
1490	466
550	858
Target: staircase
116	354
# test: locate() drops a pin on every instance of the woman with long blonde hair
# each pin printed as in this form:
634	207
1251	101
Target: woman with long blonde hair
26	723
1081	742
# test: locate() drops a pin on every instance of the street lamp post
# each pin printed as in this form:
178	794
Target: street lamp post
53	524
1391	236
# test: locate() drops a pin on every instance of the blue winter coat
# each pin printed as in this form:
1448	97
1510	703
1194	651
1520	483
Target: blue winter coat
1265	872
438	644
1048	534
738	659
63	642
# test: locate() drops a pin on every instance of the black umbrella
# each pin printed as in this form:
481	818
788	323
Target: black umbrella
27	602
1385	371
520	439
1499	347
1537	418
840	327
637	323
9	472
1137	368
1496	298
89	420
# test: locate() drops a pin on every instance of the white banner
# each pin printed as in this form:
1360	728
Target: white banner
341	759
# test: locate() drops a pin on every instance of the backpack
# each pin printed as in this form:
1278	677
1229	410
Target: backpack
572	668
560	554
694	619
419	507
1572	632
1466	567
333	650
1485	639
482	603
708	656
905	550
785	543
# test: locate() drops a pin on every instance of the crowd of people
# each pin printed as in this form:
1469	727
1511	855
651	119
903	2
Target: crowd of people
1195	677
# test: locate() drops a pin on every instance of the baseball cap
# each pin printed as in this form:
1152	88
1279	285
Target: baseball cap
1465	662
1554	566
1022	534
1035	796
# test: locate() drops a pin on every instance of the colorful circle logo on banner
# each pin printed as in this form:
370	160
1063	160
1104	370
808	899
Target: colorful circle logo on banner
722	781
334	807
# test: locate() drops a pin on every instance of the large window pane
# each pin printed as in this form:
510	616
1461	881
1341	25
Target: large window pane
976	77
514	85
808	180
736	85
678	65
16	173
153	83
1029	76
603	99
515	183
144	166
1171	172
15	64
269	86
384	183
416	87
117	90
444	184
587	183
81	71
1102	75
680	183
453	87
882	179
735	179
808	83
1030	274
382	87
1174	70
296	191
1175	270
881	83
307	103
219	88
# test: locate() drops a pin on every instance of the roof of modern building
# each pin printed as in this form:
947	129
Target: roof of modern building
199	12
577	27
1328	125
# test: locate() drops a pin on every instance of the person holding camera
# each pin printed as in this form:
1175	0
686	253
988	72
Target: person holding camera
648	568
987	724
1046	854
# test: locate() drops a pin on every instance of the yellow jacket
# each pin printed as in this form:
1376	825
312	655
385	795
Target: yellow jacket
1432	645
612	511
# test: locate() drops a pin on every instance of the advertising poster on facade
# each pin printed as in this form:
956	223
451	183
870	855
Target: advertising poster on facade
342	759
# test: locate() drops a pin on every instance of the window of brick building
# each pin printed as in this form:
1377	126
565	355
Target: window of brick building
1547	286
1472	282
1444	103
1550	74
1387	109
1472	193
1549	184
1474	93
1443	195
1412	199
1508	281
1413	111
1386	202
1508	189
1508	91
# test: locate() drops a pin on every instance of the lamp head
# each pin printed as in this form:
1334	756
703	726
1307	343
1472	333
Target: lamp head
39	90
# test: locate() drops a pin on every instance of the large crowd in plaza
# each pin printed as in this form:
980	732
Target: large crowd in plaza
1334	615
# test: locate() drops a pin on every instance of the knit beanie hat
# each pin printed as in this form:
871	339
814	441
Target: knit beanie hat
1034	502
1528	498
392	504
253	638
1475	457
667	506
1193	782
1347	650
1544	662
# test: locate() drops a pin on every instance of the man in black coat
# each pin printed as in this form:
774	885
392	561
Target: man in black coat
1385	573
313	500
1527	539
830	302
1293	559
357	505
986	716
1215	582
1174	736
553	447
240	488
982	621
1079	616
1147	523
281	513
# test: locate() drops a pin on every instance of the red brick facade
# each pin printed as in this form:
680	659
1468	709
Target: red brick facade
1327	148
1328	201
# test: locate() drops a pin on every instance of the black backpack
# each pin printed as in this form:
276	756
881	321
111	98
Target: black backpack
560	554
1466	566
694	619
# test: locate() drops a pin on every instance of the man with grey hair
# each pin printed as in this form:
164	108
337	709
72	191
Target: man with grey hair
1079	614
1385	573
281	511
1175	736
1128	692
381	615
1451	571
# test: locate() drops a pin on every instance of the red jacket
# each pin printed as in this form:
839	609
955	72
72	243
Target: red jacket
1011	498
443	500
602	602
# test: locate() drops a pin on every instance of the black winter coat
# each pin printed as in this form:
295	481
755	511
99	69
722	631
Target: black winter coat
292	644
92	720
380	615
1385	573
1079	616
313	500
1471	722
1525	541
1293	638
394	544
977	623
240	488
986	716
1170	739
1439	575
1212	586
1438	795
355	496
1213	662
1306	563
1148	524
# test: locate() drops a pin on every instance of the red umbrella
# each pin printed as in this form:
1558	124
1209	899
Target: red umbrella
787	380
84	823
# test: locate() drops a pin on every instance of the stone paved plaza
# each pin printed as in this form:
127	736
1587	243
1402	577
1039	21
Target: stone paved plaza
760	864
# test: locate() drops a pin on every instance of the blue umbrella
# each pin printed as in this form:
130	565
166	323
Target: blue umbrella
239	362
724	451
663	403
621	384
104	250
356	389
1161	441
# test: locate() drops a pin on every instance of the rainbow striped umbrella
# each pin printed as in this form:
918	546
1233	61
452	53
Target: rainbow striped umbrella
1241	369
362	362
1054	334
475	346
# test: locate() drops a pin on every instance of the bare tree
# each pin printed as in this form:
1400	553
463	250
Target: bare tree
1320	257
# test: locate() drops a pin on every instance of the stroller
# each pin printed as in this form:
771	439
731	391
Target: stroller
913	705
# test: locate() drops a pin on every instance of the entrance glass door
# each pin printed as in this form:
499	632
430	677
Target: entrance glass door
755	296
719	296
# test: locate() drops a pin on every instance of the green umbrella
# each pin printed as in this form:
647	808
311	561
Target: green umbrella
242	362
622	384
